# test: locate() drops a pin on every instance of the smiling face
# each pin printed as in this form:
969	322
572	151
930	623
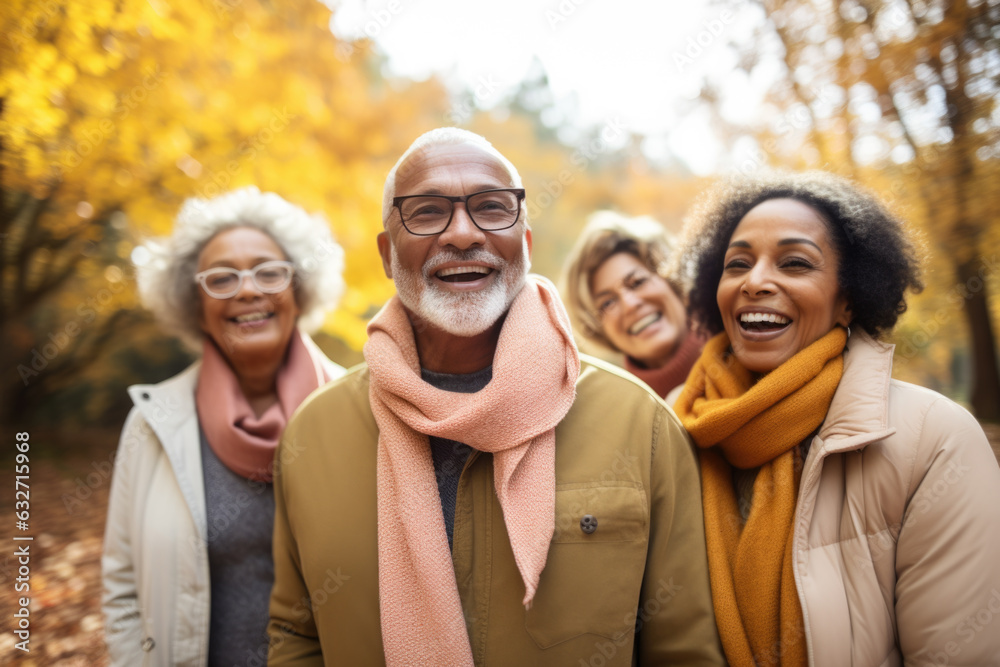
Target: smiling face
779	290
640	313
250	324
462	280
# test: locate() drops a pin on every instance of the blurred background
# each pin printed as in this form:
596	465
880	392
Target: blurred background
112	112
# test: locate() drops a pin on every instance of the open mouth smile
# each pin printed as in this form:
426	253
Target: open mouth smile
763	322
251	318
463	274
644	323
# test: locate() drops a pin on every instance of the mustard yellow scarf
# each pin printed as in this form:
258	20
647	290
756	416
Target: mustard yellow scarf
736	422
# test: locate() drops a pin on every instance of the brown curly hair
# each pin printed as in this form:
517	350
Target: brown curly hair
878	259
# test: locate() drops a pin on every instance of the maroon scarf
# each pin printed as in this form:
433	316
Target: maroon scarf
673	373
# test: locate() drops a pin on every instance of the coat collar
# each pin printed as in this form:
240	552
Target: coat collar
333	370
169	406
859	413
169	410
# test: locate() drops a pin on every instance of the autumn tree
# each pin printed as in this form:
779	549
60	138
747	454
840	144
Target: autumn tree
114	111
902	96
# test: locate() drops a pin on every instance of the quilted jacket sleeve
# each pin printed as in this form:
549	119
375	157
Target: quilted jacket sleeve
948	550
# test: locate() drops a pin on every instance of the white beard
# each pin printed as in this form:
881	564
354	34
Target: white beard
463	314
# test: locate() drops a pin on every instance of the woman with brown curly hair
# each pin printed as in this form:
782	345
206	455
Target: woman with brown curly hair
850	518
621	298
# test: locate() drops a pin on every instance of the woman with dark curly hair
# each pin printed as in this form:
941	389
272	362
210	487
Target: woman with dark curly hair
850	518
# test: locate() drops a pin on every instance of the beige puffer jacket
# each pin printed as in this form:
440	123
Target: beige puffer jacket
897	529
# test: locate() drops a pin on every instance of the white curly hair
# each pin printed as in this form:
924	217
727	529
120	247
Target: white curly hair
166	277
443	136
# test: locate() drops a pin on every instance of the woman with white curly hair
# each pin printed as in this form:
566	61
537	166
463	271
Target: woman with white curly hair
187	559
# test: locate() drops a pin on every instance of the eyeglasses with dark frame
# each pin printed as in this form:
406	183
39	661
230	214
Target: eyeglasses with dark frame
224	282
490	210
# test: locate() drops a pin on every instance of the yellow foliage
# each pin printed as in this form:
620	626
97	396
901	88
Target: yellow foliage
136	105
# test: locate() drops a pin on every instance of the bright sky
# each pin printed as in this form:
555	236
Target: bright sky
637	61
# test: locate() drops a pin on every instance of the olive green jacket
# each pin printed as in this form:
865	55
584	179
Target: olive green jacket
621	456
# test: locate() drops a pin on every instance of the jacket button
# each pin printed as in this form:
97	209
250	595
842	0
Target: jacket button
588	523
148	644
145	395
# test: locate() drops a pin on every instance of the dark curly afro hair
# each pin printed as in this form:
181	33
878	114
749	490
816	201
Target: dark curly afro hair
878	261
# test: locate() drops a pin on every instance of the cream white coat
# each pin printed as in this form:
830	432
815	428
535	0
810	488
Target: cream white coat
155	564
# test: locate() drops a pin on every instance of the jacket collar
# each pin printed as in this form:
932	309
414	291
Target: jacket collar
169	409
333	370
859	413
169	406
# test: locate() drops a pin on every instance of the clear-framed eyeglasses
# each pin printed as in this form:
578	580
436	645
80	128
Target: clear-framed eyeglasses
224	282
489	210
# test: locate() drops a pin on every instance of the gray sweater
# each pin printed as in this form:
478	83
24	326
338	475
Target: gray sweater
240	515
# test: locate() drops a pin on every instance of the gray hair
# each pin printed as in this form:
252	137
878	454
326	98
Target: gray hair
165	271
443	136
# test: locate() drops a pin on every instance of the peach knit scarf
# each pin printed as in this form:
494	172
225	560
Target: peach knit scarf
535	369
244	442
738	423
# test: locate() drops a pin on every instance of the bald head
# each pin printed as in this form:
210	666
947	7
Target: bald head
442	136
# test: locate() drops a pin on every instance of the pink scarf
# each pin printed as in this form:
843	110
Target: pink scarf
673	373
244	442
535	369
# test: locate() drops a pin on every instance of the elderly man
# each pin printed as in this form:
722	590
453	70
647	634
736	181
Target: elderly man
478	492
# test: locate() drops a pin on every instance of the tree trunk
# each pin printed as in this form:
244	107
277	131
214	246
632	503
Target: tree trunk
985	394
